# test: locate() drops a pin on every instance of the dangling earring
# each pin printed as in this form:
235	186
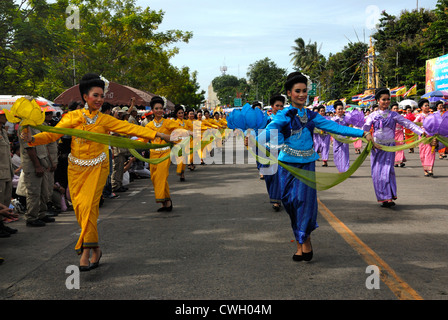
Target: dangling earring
86	106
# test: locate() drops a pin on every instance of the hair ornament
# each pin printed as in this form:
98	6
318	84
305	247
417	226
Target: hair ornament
310	83
106	84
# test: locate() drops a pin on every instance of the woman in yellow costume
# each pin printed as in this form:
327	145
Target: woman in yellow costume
181	161
207	123
160	171
217	120
189	125
222	120
88	162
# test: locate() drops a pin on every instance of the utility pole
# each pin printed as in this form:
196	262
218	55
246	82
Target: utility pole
74	69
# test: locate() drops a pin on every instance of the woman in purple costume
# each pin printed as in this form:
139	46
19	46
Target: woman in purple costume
384	122
341	152
322	140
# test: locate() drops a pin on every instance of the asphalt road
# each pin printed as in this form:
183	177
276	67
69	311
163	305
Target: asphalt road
222	241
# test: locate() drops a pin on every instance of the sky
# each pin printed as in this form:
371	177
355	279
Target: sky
236	34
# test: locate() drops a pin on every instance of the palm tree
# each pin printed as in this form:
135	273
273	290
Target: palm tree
298	54
306	57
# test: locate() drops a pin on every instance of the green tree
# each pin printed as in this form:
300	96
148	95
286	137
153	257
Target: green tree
265	79
27	45
181	87
436	34
307	58
227	87
115	38
343	75
400	42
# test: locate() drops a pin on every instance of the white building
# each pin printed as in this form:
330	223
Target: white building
212	98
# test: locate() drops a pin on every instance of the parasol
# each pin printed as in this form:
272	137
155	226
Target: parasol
403	104
436	93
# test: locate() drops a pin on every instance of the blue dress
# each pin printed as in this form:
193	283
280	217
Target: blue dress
271	176
292	132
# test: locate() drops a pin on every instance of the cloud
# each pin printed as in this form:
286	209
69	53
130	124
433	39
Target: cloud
238	33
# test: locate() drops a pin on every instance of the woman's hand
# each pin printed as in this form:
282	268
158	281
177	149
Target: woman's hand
369	138
434	142
8	213
163	136
179	134
39	171
26	135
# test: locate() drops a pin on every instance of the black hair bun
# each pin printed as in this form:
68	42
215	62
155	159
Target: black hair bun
380	92
156	99
421	102
293	78
338	103
89	81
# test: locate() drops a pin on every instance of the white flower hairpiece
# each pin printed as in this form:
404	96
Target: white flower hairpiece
106	84
164	101
310	83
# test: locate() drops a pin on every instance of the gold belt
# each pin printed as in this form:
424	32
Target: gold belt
161	149
87	162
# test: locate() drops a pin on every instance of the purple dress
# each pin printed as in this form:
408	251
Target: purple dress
322	143
341	152
382	162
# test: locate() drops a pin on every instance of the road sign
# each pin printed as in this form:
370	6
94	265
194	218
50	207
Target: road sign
313	91
237	102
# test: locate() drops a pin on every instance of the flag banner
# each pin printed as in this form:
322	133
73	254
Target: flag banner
411	92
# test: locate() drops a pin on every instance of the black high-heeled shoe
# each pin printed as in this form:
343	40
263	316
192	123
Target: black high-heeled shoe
307	256
297	257
84	268
387	204
170	208
96	264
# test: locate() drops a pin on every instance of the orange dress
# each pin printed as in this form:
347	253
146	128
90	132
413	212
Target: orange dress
160	171
88	165
181	161
189	125
207	124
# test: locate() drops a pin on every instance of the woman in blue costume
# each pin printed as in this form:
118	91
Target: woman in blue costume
270	172
292	128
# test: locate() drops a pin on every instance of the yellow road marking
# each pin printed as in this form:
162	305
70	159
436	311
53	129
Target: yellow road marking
398	286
